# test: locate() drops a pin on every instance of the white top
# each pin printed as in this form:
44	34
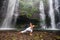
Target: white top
27	29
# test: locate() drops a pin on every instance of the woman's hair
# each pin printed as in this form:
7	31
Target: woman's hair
32	23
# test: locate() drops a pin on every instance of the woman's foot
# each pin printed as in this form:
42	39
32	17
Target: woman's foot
30	34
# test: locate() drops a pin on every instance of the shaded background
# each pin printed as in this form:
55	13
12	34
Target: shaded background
28	12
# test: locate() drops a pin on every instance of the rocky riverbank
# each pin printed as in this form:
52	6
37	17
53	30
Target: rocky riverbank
37	35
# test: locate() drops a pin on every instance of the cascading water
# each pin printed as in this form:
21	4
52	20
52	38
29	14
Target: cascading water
12	13
51	14
42	15
16	12
9	16
57	10
56	5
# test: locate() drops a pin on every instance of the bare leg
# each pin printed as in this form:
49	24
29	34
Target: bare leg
30	33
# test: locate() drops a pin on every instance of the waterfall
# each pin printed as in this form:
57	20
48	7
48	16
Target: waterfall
9	15
16	12
57	10
51	14
42	14
56	5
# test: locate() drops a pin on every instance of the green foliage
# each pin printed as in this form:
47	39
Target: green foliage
27	8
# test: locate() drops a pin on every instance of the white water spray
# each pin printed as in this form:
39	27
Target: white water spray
42	14
56	5
51	14
9	16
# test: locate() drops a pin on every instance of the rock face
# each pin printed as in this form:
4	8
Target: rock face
3	6
3	9
37	35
